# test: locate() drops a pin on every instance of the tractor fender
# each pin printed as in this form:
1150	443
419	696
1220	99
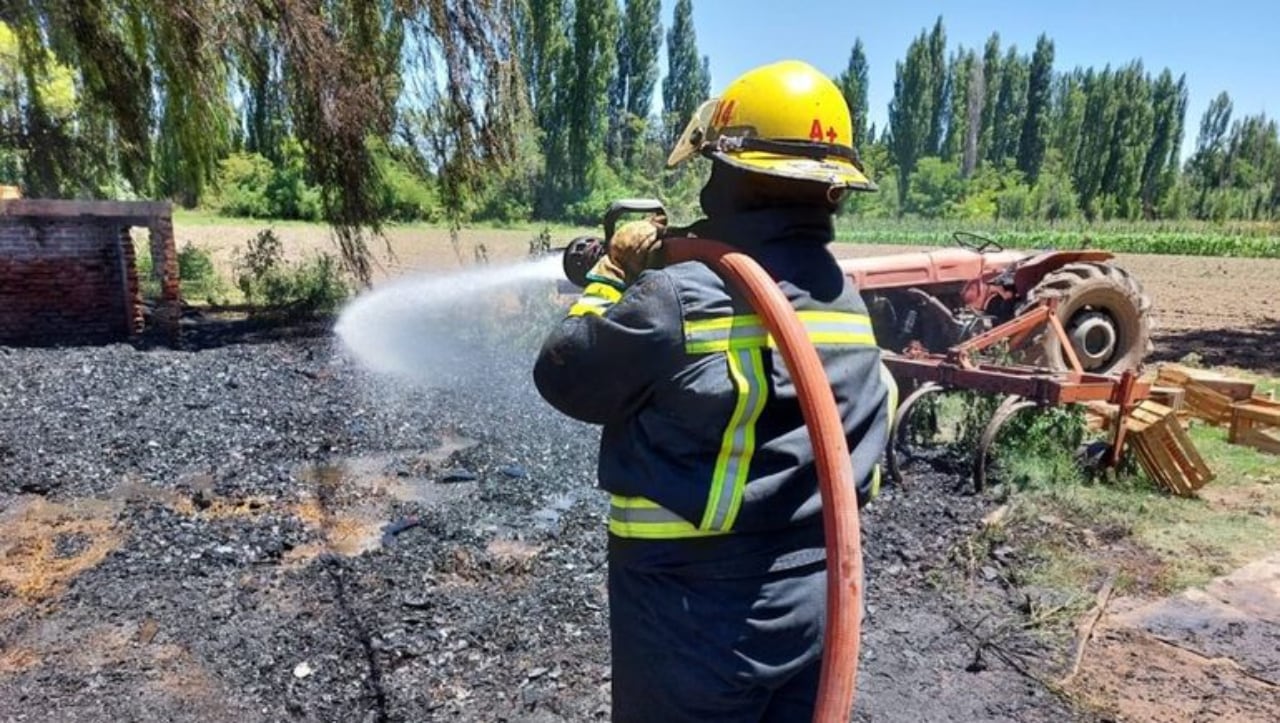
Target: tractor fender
1030	272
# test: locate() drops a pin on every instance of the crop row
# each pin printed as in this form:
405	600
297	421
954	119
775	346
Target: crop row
1185	243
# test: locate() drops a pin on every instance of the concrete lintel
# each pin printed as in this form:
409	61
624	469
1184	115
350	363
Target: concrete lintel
135	213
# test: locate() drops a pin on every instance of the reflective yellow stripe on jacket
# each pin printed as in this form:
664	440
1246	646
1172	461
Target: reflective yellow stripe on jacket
742	340
595	299
826	328
892	385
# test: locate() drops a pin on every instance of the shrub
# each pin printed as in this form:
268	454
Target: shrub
314	286
199	278
242	185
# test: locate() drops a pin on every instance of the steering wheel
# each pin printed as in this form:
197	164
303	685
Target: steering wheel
976	242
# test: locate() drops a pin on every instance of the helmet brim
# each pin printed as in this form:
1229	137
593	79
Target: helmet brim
833	171
691	140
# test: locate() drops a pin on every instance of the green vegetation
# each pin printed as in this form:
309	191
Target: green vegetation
1156	544
361	114
276	288
1073	528
1250	240
200	280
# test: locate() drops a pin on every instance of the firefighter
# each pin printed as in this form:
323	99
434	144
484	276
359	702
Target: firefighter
716	557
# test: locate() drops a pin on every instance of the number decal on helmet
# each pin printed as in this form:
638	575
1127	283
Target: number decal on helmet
725	113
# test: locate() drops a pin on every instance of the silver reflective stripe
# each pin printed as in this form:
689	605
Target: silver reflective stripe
644	514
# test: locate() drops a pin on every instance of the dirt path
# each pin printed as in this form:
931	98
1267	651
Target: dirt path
1208	654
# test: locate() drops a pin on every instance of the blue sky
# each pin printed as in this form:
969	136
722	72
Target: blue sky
1231	45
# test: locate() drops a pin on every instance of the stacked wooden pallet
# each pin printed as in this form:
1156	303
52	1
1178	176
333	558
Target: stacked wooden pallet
1218	399
1207	395
1256	423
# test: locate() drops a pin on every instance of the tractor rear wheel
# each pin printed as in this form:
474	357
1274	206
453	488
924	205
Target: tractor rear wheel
1105	314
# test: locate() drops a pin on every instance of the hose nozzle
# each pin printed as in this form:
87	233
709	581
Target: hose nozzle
580	256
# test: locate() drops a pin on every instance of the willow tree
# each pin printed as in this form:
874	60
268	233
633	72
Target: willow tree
160	79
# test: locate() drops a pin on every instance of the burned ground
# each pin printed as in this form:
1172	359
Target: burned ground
258	530
255	529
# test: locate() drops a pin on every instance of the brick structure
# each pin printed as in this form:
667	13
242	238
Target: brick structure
68	272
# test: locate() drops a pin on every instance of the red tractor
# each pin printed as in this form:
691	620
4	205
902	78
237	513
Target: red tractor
936	299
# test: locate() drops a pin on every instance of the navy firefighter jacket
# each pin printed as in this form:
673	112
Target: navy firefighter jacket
704	448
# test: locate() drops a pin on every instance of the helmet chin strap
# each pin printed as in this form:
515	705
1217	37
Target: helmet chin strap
800	149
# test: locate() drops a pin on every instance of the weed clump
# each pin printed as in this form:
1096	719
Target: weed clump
273	286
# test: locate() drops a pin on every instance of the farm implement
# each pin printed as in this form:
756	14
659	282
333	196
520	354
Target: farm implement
1162	446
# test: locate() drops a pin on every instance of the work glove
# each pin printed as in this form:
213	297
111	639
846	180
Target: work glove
637	246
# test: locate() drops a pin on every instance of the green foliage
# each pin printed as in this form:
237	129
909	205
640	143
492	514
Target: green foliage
853	84
910	114
275	287
362	113
688	81
242	185
200	280
632	89
936	189
249	185
1251	240
1035	125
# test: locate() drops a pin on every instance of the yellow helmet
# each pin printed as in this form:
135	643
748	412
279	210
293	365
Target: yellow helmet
786	120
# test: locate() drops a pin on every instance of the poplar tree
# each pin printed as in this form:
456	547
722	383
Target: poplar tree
976	92
1208	164
1169	108
1035	125
911	113
631	97
1010	107
1068	116
937	87
1098	119
590	66
959	76
853	85
688	81
991	84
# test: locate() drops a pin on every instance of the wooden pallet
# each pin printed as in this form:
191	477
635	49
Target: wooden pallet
1165	451
1256	423
1207	395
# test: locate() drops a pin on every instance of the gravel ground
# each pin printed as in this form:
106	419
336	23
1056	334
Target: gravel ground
258	530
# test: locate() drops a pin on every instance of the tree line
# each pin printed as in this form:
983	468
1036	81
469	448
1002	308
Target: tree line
359	112
1002	134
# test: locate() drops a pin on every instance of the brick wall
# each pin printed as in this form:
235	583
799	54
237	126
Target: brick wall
63	281
68	272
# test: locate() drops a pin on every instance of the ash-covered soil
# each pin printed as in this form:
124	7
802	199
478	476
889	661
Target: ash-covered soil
259	530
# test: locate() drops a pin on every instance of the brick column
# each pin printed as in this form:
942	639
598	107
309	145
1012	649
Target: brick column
133	289
164	260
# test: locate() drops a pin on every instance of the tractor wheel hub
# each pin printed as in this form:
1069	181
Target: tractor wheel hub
1094	337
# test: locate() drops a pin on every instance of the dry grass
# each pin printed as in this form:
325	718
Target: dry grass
33	568
407	248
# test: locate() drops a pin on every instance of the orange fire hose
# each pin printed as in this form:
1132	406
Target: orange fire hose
831	455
